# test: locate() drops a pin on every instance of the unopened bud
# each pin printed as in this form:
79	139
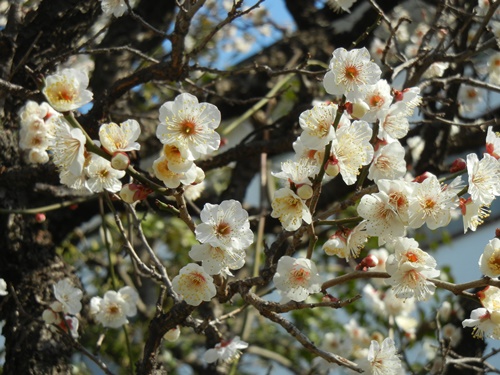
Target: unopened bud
120	161
458	165
40	217
358	109
37	156
131	193
172	334
332	168
50	317
367	262
422	177
304	191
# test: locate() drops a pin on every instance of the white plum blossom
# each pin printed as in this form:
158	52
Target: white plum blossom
123	137
352	149
189	125
116	8
290	209
408	281
377	97
68	296
67	90
113	309
68	147
172	334
410	97
102	176
493	143
176	162
341	5
473	213
347	243
296	279
469	97
3	287
225	226
432	203
382	359
489	261
385	212
388	162
484	180
406	250
435	70
393	122
225	351
171	179
299	172
194	284
349	71
215	260
317	125
485	323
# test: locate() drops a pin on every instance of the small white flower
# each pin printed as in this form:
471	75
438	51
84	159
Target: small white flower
317	125
349	70
484	180
393	122
489	261
102	176
408	281
225	225
177	163
435	70
123	137
378	97
194	284
290	209
3	287
68	296
493	143
382	359
388	163
216	260
473	213
68	147
67	90
116	8
484	323
348	242
352	149
189	125
296	278
432	204
225	351
171	179
111	310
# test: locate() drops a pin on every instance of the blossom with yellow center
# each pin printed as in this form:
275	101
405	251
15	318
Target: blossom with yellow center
295	279
189	125
67	90
194	284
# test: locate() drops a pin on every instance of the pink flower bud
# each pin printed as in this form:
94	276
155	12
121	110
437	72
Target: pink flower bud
458	165
120	161
367	262
40	217
421	178
357	109
131	193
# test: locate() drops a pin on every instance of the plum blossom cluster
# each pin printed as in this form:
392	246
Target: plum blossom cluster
62	312
344	130
37	125
224	235
187	132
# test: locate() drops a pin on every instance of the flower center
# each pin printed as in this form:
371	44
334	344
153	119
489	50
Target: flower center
223	229
351	73
412	257
494	261
197	279
376	100
300	275
188	126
